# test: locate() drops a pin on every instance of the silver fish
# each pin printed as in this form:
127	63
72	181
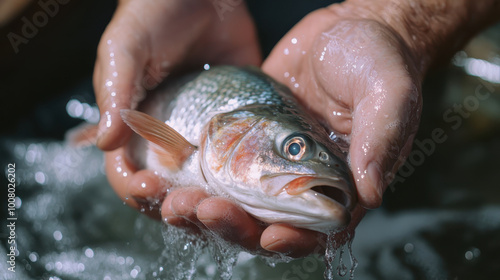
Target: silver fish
238	133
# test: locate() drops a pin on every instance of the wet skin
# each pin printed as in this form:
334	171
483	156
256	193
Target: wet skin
358	70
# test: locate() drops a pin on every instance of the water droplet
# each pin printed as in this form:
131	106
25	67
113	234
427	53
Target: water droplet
40	177
322	57
409	247
206	66
89	253
109	83
294	41
472	254
108	119
57	235
18	202
134	273
354	261
341	268
334	241
33	257
74	108
286	51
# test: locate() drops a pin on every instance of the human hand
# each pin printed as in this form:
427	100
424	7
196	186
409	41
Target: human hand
360	78
145	41
359	65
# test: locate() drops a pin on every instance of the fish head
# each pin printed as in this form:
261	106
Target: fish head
279	170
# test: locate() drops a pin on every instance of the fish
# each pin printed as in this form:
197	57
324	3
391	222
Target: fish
239	134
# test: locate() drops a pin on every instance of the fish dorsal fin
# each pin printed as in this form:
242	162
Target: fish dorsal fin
171	147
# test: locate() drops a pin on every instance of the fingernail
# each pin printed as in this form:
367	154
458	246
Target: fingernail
279	246
375	178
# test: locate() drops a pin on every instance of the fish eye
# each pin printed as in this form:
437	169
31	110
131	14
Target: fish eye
295	147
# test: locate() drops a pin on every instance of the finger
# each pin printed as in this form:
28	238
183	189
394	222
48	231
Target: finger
168	215
148	190
384	124
184	203
119	172
291	241
230	222
119	67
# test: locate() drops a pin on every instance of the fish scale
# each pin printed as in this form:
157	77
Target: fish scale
219	90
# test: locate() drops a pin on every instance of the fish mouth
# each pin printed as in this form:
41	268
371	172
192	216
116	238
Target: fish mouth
333	189
332	193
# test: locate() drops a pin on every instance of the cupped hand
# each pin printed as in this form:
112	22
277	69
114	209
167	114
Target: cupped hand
147	40
356	73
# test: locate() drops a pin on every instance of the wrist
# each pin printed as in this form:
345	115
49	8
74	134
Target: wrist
432	30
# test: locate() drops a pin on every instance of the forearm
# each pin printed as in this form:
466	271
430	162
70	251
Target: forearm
433	30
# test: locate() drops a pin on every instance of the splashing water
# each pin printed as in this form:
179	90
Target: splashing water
180	245
337	241
225	257
72	226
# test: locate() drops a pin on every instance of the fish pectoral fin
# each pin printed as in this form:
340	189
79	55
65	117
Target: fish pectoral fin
170	146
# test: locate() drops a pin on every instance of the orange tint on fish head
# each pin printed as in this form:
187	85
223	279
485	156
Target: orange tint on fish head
247	153
224	133
298	186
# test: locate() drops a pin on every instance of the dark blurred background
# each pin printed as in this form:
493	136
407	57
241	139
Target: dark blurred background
36	73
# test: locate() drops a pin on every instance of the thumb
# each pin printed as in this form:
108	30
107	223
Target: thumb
385	121
118	80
